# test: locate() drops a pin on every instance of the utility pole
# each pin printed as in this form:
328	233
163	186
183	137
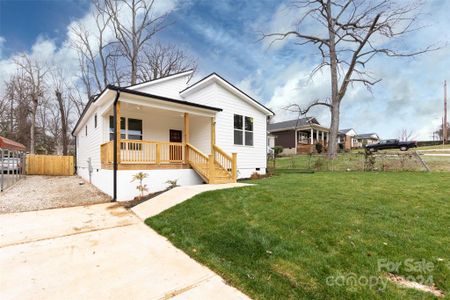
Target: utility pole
444	125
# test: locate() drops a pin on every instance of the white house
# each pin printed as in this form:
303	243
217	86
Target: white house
208	131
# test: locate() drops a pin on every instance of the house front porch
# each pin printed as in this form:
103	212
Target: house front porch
308	136
164	138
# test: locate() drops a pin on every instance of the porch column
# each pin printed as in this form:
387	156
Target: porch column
118	130
323	136
312	136
213	134
186	137
296	141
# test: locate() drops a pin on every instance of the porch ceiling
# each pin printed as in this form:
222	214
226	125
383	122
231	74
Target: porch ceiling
132	109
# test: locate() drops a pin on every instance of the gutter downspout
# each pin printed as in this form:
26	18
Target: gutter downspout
116	132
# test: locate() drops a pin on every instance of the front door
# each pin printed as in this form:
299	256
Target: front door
176	152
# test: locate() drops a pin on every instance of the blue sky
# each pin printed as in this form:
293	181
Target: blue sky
223	35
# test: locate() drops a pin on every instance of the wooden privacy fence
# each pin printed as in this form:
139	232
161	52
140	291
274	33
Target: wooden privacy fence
50	165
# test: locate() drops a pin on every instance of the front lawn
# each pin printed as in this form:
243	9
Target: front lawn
307	236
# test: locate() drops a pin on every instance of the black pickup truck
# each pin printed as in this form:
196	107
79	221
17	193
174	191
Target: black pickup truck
391	144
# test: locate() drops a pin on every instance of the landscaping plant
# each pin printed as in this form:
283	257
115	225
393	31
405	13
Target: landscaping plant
141	187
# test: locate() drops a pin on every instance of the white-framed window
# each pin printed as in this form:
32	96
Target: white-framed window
243	130
248	131
130	129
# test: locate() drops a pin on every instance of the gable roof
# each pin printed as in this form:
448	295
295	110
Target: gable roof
367	136
292	124
160	79
219	79
344	131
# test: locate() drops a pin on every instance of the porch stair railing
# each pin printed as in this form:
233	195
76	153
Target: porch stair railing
218	167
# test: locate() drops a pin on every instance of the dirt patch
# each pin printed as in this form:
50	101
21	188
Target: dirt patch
414	285
44	192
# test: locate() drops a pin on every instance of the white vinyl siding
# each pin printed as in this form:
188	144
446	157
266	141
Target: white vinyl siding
88	146
249	157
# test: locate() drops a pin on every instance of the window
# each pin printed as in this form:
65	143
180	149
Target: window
248	131
95	121
134	129
238	130
85	130
111	128
131	132
243	130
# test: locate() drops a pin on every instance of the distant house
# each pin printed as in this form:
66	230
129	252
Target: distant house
367	138
299	135
347	139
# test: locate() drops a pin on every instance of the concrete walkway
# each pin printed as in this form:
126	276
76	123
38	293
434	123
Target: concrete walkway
97	252
175	196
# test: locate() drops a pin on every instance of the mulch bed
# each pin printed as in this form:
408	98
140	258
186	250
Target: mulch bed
137	200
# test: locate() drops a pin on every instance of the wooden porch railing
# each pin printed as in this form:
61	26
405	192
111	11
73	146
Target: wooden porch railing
198	160
134	152
228	163
218	164
150	152
107	153
143	152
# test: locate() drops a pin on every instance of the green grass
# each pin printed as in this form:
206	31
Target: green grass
282	238
354	161
441	147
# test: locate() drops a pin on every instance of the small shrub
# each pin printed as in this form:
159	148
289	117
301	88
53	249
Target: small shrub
319	148
277	150
141	187
172	184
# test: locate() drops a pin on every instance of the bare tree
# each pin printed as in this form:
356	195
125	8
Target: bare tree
94	50
405	134
440	132
61	90
135	22
162	60
350	34
17	93
34	74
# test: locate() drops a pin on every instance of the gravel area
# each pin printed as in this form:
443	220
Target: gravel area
43	192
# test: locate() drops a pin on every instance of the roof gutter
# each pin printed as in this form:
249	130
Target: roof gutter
116	134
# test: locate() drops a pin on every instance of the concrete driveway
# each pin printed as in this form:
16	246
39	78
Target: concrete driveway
97	252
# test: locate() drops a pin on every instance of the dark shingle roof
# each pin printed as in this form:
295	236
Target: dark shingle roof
291	124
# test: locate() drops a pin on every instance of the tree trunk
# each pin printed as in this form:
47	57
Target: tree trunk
335	101
133	70
63	121
334	129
